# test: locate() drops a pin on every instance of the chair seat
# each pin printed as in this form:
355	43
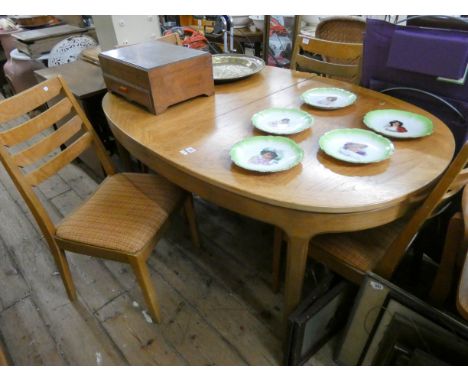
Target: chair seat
124	214
352	254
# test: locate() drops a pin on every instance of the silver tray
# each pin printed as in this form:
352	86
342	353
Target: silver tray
232	67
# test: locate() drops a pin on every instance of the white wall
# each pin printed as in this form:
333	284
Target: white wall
124	30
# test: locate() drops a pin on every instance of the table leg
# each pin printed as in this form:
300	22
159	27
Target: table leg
295	269
124	157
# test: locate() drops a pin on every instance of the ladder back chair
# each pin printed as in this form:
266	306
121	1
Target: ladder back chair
121	221
380	249
339	60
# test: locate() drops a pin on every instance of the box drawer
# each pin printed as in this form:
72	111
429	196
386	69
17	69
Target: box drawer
129	91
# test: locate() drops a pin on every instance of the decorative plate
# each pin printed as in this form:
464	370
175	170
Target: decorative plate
398	123
356	145
328	98
231	67
278	120
266	154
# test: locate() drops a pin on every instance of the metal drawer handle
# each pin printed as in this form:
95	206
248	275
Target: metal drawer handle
123	89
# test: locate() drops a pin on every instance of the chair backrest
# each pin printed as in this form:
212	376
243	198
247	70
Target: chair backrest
341	29
172	38
452	181
316	55
39	158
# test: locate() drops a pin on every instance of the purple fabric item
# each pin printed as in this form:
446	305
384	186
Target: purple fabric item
377	75
433	52
377	41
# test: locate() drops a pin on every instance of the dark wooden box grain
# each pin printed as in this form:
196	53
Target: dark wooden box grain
156	74
36	42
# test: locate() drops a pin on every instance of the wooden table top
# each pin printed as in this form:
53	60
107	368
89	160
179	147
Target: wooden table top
211	125
84	79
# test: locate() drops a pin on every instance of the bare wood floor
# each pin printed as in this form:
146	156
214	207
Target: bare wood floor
217	305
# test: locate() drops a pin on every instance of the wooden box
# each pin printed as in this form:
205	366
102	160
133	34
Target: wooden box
36	42
156	74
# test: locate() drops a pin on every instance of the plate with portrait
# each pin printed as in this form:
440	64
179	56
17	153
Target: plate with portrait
398	123
266	153
328	98
356	145
277	120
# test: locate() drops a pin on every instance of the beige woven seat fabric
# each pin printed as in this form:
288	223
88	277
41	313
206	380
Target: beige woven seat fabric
360	250
123	214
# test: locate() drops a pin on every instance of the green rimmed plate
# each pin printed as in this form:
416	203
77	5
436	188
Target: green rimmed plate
398	123
356	145
278	120
328	98
266	154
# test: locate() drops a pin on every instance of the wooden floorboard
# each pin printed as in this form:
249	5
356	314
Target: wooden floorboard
216	302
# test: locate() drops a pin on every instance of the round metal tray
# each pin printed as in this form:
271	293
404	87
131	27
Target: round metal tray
232	67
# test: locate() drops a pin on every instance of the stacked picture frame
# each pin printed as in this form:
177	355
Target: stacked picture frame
389	326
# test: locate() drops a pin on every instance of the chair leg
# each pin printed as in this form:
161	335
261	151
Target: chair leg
144	280
192	220
277	243
62	265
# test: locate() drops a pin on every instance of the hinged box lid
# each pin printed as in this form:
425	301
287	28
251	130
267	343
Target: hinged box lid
151	55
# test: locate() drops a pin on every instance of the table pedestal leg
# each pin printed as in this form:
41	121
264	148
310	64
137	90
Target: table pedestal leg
124	157
295	269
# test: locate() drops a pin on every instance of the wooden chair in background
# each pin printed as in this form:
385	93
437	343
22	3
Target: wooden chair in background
339	60
341	29
171	38
381	249
121	221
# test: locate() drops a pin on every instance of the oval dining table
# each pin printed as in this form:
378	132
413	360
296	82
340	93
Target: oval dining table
189	144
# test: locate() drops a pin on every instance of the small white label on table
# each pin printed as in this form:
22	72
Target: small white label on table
188	150
305	40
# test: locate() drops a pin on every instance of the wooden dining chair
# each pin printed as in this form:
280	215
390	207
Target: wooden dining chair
339	60
348	29
462	293
454	252
380	249
121	221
